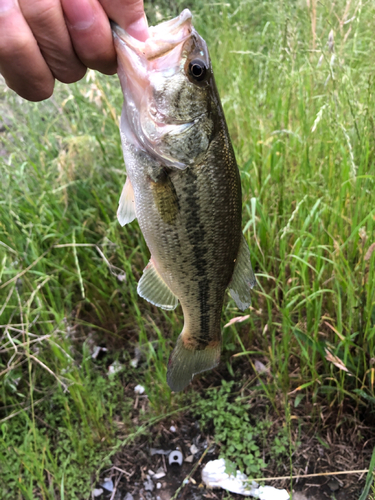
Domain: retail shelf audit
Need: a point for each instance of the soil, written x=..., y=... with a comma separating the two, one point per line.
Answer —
x=339, y=440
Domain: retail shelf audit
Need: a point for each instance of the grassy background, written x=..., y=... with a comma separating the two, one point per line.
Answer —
x=297, y=86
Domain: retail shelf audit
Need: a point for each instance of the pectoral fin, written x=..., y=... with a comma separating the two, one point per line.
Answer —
x=153, y=288
x=243, y=278
x=126, y=206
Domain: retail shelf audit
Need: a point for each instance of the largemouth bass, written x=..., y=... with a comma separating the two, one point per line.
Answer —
x=183, y=186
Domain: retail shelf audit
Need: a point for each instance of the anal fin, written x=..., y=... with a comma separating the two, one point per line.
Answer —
x=153, y=288
x=243, y=279
x=126, y=206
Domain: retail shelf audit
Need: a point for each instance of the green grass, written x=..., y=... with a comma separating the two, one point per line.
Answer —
x=303, y=133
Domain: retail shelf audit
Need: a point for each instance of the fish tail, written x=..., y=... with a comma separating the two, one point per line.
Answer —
x=186, y=361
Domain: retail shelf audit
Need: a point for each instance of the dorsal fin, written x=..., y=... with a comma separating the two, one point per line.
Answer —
x=126, y=206
x=243, y=278
x=153, y=288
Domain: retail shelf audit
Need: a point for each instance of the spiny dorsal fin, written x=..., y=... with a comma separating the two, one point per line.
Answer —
x=243, y=278
x=152, y=287
x=126, y=206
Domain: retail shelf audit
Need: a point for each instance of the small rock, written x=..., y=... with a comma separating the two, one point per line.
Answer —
x=189, y=459
x=172, y=428
x=333, y=485
x=97, y=492
x=107, y=485
x=158, y=486
x=128, y=496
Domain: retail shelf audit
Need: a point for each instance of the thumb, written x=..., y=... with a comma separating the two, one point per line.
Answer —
x=129, y=14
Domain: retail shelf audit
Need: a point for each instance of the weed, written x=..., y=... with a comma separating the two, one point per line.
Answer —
x=241, y=439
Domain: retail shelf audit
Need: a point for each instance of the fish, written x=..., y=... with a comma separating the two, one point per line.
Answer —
x=183, y=186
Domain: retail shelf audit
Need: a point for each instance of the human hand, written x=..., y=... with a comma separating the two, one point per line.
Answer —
x=44, y=40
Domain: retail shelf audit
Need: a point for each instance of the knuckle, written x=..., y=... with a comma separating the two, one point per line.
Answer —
x=12, y=46
x=38, y=11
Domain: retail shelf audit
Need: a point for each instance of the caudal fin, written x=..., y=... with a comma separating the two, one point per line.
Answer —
x=185, y=363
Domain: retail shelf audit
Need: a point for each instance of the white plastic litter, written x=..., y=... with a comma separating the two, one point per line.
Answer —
x=148, y=484
x=175, y=457
x=172, y=428
x=107, y=485
x=155, y=451
x=214, y=476
x=159, y=473
x=139, y=389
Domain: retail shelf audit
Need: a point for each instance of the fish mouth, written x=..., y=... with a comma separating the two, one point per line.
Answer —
x=162, y=38
x=161, y=54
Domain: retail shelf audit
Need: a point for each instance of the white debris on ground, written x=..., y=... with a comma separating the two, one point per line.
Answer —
x=193, y=449
x=108, y=484
x=139, y=389
x=115, y=367
x=214, y=476
x=96, y=349
x=148, y=484
x=97, y=492
x=175, y=457
x=156, y=451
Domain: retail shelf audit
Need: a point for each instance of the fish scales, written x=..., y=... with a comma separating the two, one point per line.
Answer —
x=184, y=187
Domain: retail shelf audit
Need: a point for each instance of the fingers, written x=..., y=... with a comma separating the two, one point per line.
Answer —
x=41, y=40
x=129, y=14
x=91, y=34
x=46, y=20
x=21, y=62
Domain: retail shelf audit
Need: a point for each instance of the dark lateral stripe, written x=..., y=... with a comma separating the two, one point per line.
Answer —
x=197, y=234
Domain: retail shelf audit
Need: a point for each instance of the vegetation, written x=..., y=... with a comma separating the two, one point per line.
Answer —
x=297, y=87
x=239, y=437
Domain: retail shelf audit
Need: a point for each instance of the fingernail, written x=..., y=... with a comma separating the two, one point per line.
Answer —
x=139, y=29
x=6, y=5
x=80, y=15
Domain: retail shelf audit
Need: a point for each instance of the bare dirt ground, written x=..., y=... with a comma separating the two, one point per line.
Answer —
x=338, y=440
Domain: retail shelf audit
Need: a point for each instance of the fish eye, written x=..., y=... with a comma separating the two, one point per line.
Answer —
x=197, y=69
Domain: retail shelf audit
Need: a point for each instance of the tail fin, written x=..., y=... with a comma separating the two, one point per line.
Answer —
x=185, y=363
